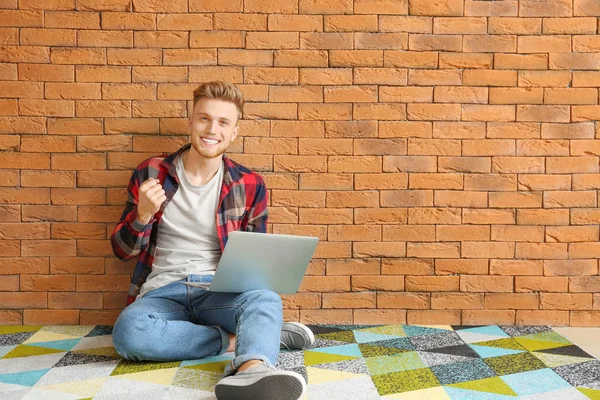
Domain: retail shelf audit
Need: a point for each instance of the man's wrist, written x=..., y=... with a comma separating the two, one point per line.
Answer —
x=143, y=219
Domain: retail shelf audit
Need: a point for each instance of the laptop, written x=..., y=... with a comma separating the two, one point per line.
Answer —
x=264, y=261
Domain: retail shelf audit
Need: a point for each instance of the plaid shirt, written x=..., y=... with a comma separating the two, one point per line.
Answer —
x=242, y=206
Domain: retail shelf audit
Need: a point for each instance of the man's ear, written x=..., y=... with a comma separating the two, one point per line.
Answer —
x=236, y=132
x=190, y=122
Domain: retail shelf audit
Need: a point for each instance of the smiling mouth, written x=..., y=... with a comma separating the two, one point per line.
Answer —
x=210, y=141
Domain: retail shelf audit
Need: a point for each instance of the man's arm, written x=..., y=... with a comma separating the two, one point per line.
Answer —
x=130, y=236
x=259, y=213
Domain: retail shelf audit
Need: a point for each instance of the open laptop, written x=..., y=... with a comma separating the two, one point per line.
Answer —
x=265, y=261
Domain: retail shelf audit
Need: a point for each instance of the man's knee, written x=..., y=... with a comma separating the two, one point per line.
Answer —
x=127, y=335
x=267, y=297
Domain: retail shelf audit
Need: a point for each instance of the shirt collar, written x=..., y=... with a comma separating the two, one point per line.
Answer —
x=231, y=174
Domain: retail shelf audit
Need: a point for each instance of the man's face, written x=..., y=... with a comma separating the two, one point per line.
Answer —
x=213, y=126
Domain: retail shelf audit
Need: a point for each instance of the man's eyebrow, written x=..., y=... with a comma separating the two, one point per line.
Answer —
x=203, y=113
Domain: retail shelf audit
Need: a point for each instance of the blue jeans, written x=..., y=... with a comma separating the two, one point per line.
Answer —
x=179, y=322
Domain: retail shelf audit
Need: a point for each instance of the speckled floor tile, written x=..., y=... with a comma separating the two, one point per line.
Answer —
x=347, y=362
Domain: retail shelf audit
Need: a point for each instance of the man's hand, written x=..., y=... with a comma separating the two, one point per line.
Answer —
x=151, y=196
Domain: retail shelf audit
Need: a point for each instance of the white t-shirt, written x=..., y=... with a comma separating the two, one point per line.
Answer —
x=187, y=240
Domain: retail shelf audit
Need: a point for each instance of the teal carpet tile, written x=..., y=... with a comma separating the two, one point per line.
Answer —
x=347, y=362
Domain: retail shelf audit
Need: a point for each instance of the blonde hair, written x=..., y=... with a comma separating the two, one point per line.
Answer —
x=221, y=90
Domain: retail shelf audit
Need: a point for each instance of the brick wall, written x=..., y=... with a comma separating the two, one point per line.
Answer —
x=443, y=151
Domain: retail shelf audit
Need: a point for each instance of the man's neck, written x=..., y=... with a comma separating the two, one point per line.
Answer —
x=200, y=170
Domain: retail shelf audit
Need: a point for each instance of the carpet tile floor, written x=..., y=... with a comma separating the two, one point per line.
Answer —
x=347, y=362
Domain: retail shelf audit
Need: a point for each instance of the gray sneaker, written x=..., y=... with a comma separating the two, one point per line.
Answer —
x=261, y=382
x=295, y=335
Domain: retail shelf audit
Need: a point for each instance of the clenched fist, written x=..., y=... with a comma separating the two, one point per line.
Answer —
x=151, y=196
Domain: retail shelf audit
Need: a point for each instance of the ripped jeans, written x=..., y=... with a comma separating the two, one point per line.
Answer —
x=178, y=322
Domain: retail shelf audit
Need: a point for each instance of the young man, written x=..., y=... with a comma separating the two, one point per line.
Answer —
x=180, y=209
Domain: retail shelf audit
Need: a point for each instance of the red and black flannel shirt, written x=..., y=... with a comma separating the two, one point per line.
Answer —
x=242, y=206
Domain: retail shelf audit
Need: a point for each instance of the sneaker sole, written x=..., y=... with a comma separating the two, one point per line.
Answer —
x=275, y=387
x=302, y=331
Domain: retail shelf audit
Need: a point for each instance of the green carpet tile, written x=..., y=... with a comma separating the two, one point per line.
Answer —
x=346, y=362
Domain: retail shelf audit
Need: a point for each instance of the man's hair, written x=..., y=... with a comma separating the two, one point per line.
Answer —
x=221, y=90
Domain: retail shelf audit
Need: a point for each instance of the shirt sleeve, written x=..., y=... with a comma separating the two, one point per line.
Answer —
x=259, y=213
x=130, y=237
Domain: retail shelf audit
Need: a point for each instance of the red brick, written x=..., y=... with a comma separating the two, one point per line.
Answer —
x=128, y=20
x=488, y=317
x=104, y=5
x=585, y=318
x=326, y=316
x=52, y=108
x=487, y=44
x=72, y=91
x=410, y=24
x=434, y=78
x=542, y=217
x=325, y=284
x=584, y=284
x=349, y=300
x=433, y=317
x=69, y=300
x=453, y=301
x=351, y=94
x=25, y=54
x=21, y=18
x=544, y=44
x=466, y=60
x=478, y=283
x=528, y=95
x=437, y=112
x=47, y=283
x=333, y=7
x=403, y=300
x=356, y=58
x=466, y=25
x=566, y=301
x=72, y=19
x=48, y=5
x=21, y=300
x=461, y=266
x=439, y=8
x=425, y=250
x=10, y=213
x=511, y=301
x=216, y=6
x=411, y=59
x=43, y=72
x=237, y=22
x=543, y=113
x=486, y=8
x=379, y=317
x=540, y=284
x=570, y=25
x=353, y=267
x=406, y=198
x=542, y=317
x=570, y=267
x=391, y=41
x=535, y=8
x=322, y=181
x=376, y=282
x=489, y=78
x=423, y=42
x=51, y=317
x=380, y=7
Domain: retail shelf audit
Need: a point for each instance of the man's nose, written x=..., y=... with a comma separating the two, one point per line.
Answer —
x=212, y=128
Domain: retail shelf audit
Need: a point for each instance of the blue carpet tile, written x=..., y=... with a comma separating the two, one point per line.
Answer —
x=346, y=362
